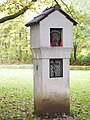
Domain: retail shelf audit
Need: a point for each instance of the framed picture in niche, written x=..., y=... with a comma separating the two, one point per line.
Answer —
x=56, y=37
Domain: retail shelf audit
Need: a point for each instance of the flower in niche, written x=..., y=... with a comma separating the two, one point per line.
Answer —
x=50, y=44
x=61, y=44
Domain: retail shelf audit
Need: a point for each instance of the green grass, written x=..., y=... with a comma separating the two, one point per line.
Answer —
x=30, y=66
x=16, y=94
x=80, y=94
x=79, y=67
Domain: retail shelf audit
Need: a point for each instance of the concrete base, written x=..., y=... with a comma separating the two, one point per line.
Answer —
x=52, y=107
x=51, y=95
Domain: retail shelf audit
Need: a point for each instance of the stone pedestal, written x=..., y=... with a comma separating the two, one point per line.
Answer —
x=51, y=94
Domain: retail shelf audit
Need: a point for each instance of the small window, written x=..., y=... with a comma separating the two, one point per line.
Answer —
x=55, y=68
x=56, y=37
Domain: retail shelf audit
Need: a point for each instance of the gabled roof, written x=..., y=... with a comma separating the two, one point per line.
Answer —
x=48, y=11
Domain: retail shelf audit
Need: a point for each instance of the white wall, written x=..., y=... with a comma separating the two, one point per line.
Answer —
x=56, y=20
x=35, y=36
x=51, y=92
x=55, y=86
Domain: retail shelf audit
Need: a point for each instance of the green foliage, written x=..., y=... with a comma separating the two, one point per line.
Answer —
x=13, y=6
x=15, y=42
x=83, y=55
x=81, y=37
x=79, y=67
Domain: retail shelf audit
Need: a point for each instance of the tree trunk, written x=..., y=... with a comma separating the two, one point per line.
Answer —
x=75, y=52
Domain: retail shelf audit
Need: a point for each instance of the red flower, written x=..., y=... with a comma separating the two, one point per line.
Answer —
x=61, y=44
x=50, y=44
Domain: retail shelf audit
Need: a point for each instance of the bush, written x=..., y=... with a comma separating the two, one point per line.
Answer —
x=81, y=60
x=79, y=67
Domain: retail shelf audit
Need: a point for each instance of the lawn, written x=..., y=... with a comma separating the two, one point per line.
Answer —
x=80, y=94
x=16, y=94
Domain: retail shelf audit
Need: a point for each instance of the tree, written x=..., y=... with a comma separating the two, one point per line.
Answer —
x=79, y=33
x=12, y=6
x=16, y=8
x=14, y=15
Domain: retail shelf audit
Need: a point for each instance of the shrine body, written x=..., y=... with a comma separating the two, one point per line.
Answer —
x=51, y=39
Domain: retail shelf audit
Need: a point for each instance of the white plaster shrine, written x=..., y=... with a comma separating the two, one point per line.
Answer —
x=51, y=39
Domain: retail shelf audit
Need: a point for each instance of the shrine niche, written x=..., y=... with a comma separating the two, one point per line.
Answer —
x=56, y=68
x=56, y=37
